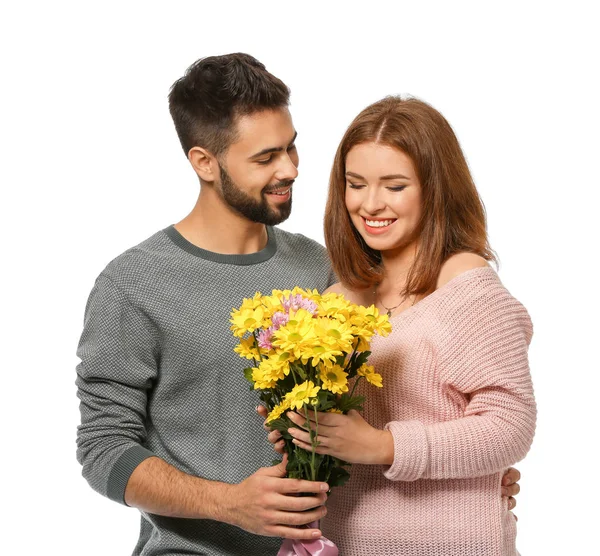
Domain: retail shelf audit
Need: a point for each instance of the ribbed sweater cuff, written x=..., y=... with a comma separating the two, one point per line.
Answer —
x=411, y=450
x=122, y=470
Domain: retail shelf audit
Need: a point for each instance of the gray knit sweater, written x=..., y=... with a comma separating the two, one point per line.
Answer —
x=158, y=375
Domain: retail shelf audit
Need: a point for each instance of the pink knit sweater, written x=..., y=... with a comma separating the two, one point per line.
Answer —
x=458, y=400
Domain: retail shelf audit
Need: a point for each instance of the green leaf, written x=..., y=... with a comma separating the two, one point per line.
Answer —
x=341, y=360
x=302, y=455
x=338, y=477
x=282, y=425
x=326, y=400
x=248, y=374
x=346, y=403
x=299, y=370
x=266, y=396
x=358, y=361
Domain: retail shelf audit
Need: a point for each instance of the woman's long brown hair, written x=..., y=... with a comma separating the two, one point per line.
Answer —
x=453, y=216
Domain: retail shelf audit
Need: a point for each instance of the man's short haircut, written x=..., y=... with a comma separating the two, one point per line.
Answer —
x=214, y=91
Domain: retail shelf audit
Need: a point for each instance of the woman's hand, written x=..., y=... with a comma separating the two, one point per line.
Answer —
x=346, y=437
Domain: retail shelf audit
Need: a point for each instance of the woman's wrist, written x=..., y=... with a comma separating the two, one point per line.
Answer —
x=385, y=452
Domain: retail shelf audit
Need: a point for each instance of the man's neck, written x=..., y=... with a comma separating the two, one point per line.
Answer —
x=214, y=226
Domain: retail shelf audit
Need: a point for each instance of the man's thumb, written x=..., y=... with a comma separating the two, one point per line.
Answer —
x=278, y=470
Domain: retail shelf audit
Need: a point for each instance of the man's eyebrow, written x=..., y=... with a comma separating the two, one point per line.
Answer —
x=388, y=177
x=274, y=149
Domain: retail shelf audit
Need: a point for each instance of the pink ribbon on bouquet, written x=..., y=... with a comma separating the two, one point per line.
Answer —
x=299, y=547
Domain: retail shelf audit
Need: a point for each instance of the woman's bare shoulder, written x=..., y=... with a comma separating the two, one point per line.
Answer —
x=355, y=296
x=456, y=264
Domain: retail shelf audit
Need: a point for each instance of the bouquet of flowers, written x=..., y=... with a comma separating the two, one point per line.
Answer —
x=305, y=348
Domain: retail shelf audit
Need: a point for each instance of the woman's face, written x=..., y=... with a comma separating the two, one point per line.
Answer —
x=383, y=195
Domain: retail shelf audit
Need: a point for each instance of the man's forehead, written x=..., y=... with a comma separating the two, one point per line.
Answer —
x=265, y=129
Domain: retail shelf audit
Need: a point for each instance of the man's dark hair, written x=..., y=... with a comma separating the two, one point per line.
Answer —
x=214, y=91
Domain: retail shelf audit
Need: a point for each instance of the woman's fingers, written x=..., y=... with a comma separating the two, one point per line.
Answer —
x=301, y=435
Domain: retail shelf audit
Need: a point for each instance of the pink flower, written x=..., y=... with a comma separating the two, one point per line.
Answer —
x=279, y=319
x=295, y=302
x=264, y=338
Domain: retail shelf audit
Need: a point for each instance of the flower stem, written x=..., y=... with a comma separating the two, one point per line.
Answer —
x=313, y=474
x=355, y=384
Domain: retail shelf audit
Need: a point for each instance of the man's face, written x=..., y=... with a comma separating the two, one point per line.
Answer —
x=259, y=168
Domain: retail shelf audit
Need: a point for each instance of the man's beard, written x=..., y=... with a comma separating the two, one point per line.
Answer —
x=257, y=211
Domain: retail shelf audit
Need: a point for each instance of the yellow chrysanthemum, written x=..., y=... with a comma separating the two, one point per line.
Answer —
x=334, y=379
x=334, y=305
x=272, y=304
x=319, y=354
x=297, y=335
x=277, y=411
x=372, y=377
x=247, y=320
x=301, y=394
x=335, y=333
x=247, y=348
x=274, y=369
x=251, y=302
x=312, y=295
x=262, y=380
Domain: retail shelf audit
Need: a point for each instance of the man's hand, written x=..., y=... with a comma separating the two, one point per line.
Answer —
x=510, y=486
x=266, y=504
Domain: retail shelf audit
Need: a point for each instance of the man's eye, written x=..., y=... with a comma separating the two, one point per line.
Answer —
x=265, y=160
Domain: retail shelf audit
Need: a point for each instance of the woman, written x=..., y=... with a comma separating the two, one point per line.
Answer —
x=405, y=229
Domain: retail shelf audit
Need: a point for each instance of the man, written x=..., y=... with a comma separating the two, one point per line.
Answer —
x=167, y=421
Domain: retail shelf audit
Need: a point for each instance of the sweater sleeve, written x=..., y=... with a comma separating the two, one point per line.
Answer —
x=483, y=339
x=118, y=352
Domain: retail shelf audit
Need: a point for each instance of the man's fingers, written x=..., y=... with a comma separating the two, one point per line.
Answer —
x=294, y=533
x=295, y=486
x=274, y=436
x=300, y=503
x=511, y=490
x=262, y=411
x=280, y=447
x=511, y=476
x=278, y=470
x=300, y=518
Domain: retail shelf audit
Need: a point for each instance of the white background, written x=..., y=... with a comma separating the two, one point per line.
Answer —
x=91, y=166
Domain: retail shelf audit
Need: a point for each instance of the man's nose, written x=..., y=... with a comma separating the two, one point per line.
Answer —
x=287, y=170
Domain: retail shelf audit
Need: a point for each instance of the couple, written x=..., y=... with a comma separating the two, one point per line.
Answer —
x=167, y=421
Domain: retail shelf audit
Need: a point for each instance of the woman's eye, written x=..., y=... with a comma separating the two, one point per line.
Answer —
x=397, y=187
x=355, y=186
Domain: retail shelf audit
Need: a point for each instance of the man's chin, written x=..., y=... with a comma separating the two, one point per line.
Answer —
x=281, y=213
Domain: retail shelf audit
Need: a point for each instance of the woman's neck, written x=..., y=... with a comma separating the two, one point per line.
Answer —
x=396, y=266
